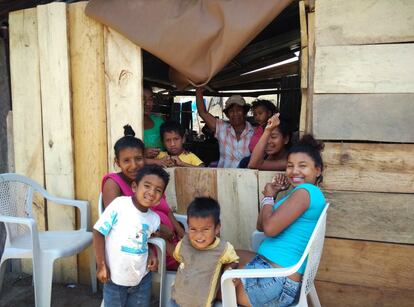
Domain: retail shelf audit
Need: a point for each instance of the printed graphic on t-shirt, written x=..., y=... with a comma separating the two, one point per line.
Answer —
x=137, y=243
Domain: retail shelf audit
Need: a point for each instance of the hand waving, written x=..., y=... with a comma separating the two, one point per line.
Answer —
x=273, y=122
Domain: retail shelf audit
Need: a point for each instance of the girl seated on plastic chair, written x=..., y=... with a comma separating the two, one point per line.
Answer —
x=287, y=224
x=129, y=157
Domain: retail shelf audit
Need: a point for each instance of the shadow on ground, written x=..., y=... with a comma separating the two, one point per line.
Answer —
x=18, y=292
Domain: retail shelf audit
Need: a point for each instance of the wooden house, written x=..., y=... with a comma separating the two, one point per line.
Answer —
x=74, y=84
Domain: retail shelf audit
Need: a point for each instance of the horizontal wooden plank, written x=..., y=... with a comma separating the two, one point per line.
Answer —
x=343, y=295
x=369, y=167
x=369, y=264
x=367, y=117
x=365, y=69
x=352, y=22
x=384, y=217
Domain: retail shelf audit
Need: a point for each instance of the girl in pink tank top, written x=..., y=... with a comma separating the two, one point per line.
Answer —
x=129, y=157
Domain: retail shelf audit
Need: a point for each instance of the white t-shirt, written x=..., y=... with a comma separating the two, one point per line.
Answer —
x=126, y=231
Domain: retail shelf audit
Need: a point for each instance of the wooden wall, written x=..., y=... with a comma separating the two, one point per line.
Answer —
x=71, y=100
x=361, y=93
x=74, y=83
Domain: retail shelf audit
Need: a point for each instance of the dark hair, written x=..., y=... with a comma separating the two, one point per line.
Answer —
x=204, y=207
x=171, y=126
x=308, y=145
x=128, y=141
x=153, y=169
x=266, y=104
x=146, y=86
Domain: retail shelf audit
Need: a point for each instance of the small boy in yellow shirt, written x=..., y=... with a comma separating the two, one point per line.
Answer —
x=202, y=256
x=172, y=136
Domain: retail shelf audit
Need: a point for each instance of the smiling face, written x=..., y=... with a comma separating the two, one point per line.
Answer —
x=148, y=191
x=236, y=115
x=261, y=114
x=202, y=231
x=276, y=143
x=173, y=142
x=301, y=168
x=130, y=160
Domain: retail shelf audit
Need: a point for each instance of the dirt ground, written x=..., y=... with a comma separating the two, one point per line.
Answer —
x=18, y=292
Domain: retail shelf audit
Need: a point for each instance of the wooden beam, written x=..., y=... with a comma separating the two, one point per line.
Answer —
x=364, y=117
x=237, y=192
x=303, y=25
x=271, y=73
x=357, y=22
x=368, y=264
x=365, y=69
x=311, y=73
x=345, y=295
x=89, y=112
x=369, y=167
x=384, y=217
x=57, y=125
x=123, y=71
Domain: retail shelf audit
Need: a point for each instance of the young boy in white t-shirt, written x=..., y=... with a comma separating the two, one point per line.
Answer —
x=121, y=240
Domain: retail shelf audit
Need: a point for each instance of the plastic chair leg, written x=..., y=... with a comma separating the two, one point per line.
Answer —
x=314, y=297
x=42, y=275
x=92, y=265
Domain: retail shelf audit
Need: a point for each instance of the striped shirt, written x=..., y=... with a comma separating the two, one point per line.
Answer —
x=231, y=149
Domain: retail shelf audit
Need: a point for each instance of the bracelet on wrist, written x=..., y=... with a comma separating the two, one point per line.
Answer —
x=267, y=200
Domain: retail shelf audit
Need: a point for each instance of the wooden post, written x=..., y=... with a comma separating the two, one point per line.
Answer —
x=89, y=112
x=57, y=124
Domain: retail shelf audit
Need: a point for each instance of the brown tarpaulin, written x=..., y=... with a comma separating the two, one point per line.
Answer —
x=197, y=38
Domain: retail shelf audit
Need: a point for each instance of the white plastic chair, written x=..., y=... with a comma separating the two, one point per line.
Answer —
x=161, y=249
x=44, y=247
x=313, y=252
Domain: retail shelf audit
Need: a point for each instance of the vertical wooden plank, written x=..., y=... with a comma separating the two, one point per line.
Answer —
x=303, y=25
x=237, y=195
x=89, y=112
x=57, y=125
x=27, y=111
x=193, y=182
x=304, y=67
x=123, y=71
x=311, y=72
x=303, y=111
x=170, y=192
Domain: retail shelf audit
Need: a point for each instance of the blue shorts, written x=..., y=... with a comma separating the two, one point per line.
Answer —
x=277, y=291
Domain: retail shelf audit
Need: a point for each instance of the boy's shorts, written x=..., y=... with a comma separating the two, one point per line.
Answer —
x=277, y=291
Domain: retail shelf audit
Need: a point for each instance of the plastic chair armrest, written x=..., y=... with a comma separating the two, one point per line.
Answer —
x=29, y=222
x=227, y=287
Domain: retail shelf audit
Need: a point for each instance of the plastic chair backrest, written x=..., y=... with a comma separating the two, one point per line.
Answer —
x=16, y=200
x=100, y=204
x=314, y=251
